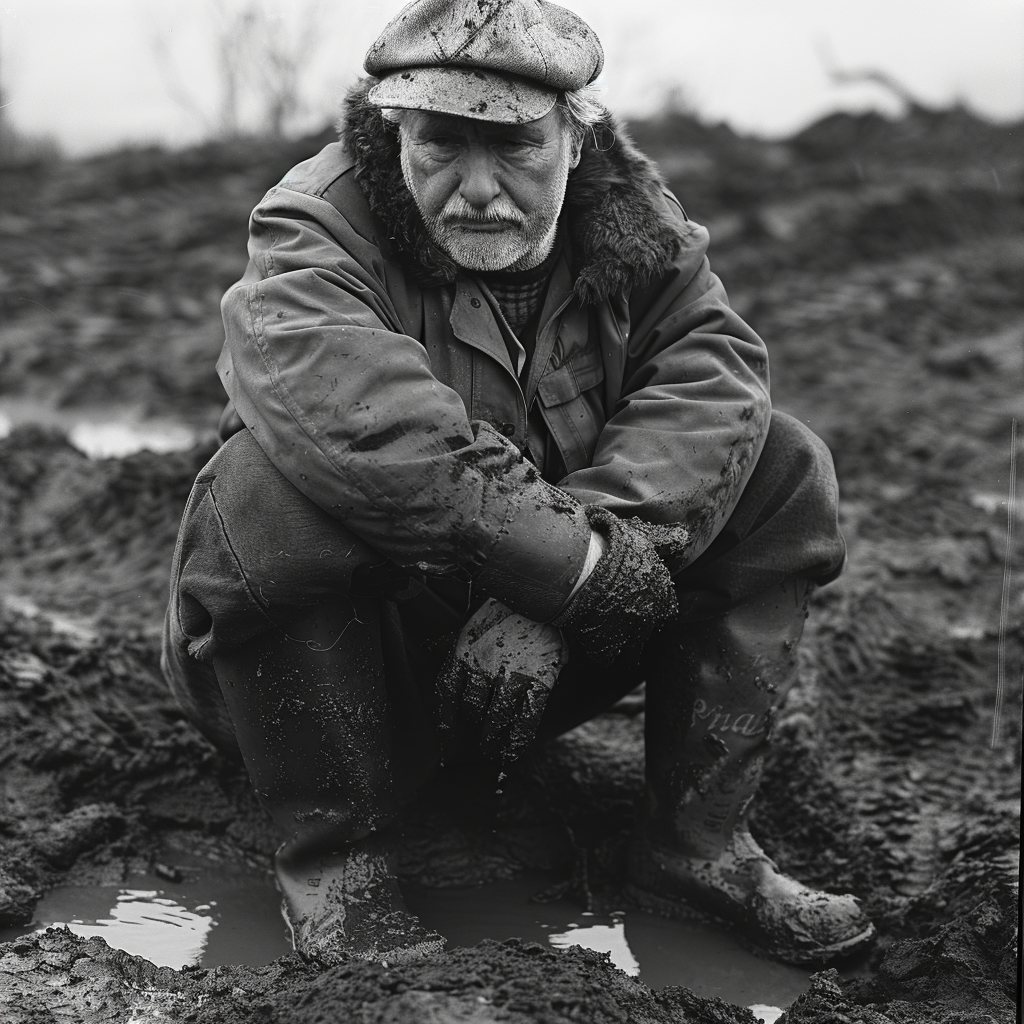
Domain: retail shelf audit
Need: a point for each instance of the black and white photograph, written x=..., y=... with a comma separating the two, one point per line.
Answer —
x=510, y=511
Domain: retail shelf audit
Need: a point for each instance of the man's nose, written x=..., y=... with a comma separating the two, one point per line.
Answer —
x=479, y=183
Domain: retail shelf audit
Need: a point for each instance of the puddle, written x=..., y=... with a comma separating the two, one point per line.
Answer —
x=143, y=921
x=603, y=938
x=215, y=917
x=706, y=959
x=100, y=433
x=77, y=629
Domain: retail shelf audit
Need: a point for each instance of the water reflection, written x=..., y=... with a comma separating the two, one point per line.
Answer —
x=708, y=959
x=100, y=433
x=222, y=916
x=602, y=938
x=116, y=440
x=143, y=922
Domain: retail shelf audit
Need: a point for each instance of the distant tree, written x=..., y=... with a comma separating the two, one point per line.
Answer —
x=676, y=102
x=260, y=59
x=176, y=89
x=15, y=145
x=233, y=46
x=876, y=76
x=6, y=128
x=279, y=59
x=4, y=116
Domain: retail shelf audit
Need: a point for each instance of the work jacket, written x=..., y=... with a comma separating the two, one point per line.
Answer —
x=377, y=375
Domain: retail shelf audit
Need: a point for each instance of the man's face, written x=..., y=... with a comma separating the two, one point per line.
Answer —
x=489, y=193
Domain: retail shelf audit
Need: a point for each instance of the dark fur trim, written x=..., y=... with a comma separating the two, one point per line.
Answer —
x=625, y=244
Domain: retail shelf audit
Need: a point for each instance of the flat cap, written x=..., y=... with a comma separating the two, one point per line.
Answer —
x=495, y=60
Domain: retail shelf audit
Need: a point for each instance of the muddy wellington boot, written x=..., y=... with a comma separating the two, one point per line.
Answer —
x=711, y=700
x=310, y=714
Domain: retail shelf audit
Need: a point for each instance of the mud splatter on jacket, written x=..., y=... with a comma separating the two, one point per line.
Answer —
x=375, y=373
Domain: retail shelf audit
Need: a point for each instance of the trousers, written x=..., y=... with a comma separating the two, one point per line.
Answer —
x=253, y=551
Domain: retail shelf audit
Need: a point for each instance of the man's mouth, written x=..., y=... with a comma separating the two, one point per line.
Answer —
x=483, y=226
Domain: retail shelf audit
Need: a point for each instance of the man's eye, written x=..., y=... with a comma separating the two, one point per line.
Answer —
x=513, y=147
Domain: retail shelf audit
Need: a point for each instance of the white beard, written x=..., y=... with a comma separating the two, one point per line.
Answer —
x=525, y=243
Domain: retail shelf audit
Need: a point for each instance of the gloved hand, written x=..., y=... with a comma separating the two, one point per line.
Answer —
x=670, y=540
x=630, y=590
x=499, y=678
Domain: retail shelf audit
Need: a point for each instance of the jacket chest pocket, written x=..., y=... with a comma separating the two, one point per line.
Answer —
x=571, y=404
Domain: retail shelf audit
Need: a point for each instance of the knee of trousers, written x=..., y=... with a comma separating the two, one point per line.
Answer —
x=805, y=515
x=785, y=526
x=795, y=467
x=251, y=543
x=791, y=500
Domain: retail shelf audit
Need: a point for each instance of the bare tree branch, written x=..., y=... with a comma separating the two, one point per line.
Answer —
x=258, y=55
x=876, y=76
x=173, y=84
x=281, y=58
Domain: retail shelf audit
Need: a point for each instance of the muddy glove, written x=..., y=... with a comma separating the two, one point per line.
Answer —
x=499, y=678
x=671, y=542
x=629, y=592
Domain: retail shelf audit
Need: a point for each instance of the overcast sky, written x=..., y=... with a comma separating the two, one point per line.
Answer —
x=90, y=72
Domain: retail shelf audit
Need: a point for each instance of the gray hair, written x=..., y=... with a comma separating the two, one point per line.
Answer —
x=582, y=112
x=393, y=116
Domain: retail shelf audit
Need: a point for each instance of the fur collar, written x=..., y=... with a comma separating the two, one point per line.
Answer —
x=619, y=231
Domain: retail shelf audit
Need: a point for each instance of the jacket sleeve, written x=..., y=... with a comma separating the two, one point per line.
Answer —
x=346, y=407
x=693, y=409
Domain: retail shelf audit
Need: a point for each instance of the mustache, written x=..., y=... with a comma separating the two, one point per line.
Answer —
x=500, y=210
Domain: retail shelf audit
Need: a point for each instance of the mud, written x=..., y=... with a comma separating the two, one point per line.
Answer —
x=629, y=591
x=884, y=263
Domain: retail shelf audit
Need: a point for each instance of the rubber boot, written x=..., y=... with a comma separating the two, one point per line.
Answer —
x=711, y=700
x=309, y=709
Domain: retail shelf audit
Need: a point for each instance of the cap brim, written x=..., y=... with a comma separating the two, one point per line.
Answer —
x=464, y=92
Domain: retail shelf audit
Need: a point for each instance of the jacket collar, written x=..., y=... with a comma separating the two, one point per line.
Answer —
x=620, y=230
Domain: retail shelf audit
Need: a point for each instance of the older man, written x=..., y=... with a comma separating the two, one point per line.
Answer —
x=499, y=451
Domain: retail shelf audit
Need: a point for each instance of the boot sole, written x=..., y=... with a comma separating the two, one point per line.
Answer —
x=675, y=909
x=407, y=954
x=389, y=958
x=398, y=955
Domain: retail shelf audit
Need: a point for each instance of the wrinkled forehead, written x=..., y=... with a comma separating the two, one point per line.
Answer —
x=423, y=123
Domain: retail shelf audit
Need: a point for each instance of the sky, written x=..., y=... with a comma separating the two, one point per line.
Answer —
x=95, y=74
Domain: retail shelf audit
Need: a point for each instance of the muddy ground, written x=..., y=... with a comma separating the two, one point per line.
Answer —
x=883, y=261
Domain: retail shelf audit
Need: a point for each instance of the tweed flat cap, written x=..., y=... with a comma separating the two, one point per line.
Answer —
x=494, y=60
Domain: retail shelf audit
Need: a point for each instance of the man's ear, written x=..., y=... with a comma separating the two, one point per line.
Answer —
x=577, y=152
